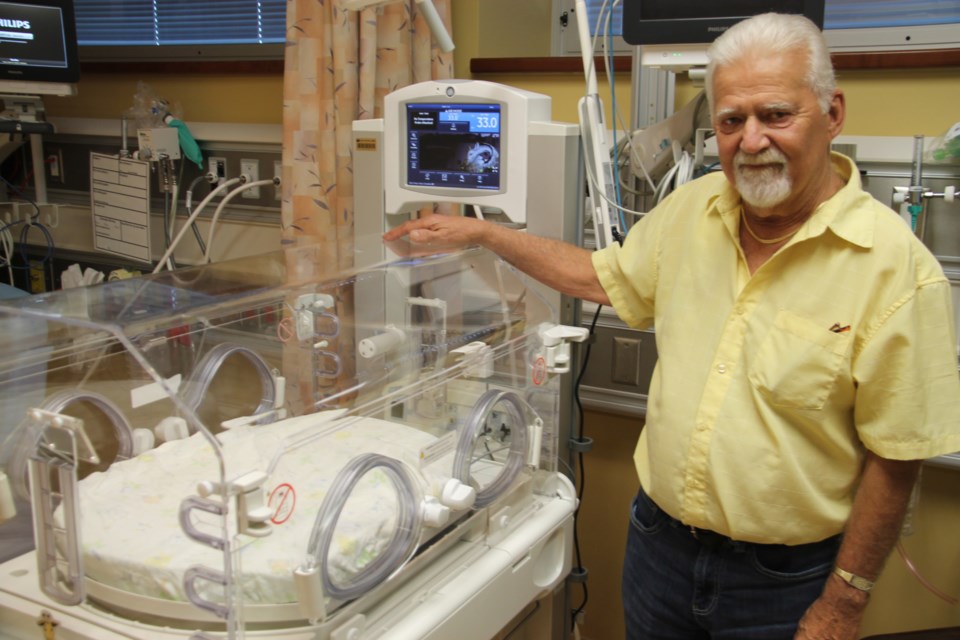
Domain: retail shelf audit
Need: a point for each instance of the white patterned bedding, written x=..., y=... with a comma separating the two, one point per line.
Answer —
x=132, y=540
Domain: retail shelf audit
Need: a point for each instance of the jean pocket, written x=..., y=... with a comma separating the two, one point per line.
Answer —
x=646, y=516
x=790, y=563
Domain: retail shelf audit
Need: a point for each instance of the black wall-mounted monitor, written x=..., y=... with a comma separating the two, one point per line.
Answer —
x=38, y=47
x=649, y=22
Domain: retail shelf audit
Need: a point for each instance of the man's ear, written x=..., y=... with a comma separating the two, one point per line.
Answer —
x=836, y=113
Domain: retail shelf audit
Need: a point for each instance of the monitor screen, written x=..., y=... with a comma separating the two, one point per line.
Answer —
x=700, y=21
x=38, y=45
x=454, y=145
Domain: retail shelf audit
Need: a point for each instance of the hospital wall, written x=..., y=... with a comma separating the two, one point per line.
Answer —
x=880, y=103
x=202, y=95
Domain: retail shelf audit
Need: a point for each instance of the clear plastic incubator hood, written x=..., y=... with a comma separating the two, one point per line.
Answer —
x=249, y=449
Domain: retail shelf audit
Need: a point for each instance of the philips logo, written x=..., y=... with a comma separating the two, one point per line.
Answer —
x=716, y=29
x=14, y=24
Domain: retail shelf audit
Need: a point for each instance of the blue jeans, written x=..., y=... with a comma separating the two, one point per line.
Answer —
x=678, y=586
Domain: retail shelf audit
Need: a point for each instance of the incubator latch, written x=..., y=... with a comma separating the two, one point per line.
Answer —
x=307, y=307
x=556, y=344
x=458, y=495
x=253, y=514
x=171, y=428
x=310, y=598
x=434, y=513
x=252, y=509
x=536, y=442
x=479, y=355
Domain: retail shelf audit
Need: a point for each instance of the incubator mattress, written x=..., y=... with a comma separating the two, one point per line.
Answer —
x=132, y=540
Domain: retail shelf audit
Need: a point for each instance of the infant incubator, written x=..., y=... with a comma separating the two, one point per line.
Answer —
x=250, y=449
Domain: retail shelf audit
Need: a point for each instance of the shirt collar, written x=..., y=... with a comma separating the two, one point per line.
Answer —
x=842, y=213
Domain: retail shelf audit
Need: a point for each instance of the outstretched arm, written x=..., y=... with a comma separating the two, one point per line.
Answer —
x=559, y=265
x=871, y=533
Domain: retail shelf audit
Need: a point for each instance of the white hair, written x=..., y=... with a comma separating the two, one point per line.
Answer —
x=773, y=33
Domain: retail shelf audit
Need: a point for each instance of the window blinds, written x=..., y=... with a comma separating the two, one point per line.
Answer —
x=179, y=22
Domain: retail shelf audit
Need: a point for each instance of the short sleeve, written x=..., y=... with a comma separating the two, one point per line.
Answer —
x=628, y=274
x=908, y=388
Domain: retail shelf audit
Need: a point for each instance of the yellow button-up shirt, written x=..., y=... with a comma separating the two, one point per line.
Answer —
x=769, y=387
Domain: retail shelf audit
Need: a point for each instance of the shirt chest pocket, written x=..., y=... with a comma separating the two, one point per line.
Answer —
x=798, y=363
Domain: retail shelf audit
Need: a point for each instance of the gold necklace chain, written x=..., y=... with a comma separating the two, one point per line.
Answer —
x=743, y=217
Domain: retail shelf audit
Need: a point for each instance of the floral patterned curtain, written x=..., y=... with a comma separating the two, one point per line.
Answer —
x=339, y=65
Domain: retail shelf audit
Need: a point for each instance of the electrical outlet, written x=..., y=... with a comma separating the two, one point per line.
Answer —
x=55, y=165
x=278, y=173
x=251, y=169
x=218, y=167
x=625, y=368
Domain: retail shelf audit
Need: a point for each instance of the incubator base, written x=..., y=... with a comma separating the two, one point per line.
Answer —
x=470, y=591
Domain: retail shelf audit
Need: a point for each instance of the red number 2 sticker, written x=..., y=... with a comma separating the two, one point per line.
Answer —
x=539, y=371
x=282, y=501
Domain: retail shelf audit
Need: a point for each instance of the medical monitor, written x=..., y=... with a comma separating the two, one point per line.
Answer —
x=676, y=33
x=459, y=141
x=38, y=47
x=454, y=145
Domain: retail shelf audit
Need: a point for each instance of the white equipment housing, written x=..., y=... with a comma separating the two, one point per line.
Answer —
x=464, y=142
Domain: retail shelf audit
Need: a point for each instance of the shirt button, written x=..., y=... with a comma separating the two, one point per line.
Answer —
x=721, y=368
x=739, y=310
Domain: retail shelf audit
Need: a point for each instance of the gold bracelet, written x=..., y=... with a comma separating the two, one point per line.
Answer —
x=853, y=580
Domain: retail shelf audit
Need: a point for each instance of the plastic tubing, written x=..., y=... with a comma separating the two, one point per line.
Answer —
x=209, y=365
x=399, y=550
x=216, y=214
x=919, y=576
x=173, y=218
x=468, y=435
x=6, y=260
x=188, y=201
x=193, y=217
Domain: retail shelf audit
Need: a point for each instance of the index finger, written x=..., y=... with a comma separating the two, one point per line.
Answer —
x=404, y=229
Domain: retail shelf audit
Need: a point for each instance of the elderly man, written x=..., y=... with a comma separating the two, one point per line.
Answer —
x=807, y=359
